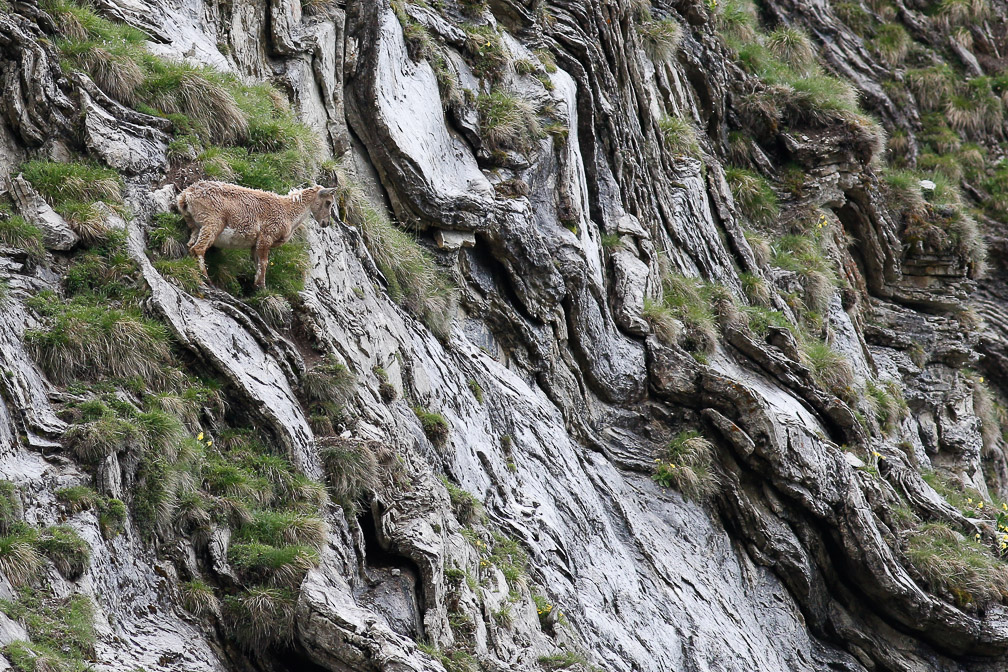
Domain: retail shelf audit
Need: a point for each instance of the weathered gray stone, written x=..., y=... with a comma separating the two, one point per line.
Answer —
x=56, y=233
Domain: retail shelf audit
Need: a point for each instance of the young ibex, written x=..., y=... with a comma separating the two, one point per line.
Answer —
x=226, y=215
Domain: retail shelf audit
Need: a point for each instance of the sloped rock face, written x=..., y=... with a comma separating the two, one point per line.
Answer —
x=558, y=387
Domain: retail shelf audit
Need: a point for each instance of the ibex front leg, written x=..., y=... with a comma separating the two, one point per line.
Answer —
x=262, y=251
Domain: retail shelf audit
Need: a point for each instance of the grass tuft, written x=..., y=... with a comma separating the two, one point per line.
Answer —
x=679, y=136
x=687, y=465
x=952, y=566
x=753, y=195
x=261, y=616
x=434, y=426
x=90, y=342
x=661, y=37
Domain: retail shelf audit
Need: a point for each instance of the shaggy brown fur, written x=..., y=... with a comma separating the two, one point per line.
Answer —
x=226, y=215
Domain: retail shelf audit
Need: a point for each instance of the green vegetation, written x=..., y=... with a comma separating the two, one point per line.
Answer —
x=661, y=37
x=935, y=220
x=563, y=661
x=20, y=560
x=199, y=599
x=434, y=426
x=82, y=341
x=806, y=256
x=793, y=47
x=64, y=547
x=687, y=465
x=958, y=568
x=17, y=233
x=168, y=235
x=887, y=402
x=829, y=368
x=102, y=427
x=891, y=43
x=679, y=136
x=111, y=512
x=231, y=130
x=508, y=122
x=352, y=469
x=261, y=616
x=10, y=506
x=795, y=90
x=467, y=508
x=61, y=631
x=486, y=51
x=691, y=313
x=476, y=389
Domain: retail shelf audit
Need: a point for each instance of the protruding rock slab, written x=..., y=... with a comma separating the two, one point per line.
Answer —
x=56, y=233
x=238, y=356
x=122, y=144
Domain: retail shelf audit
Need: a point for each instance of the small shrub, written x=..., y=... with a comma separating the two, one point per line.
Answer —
x=961, y=12
x=508, y=121
x=434, y=426
x=10, y=507
x=168, y=235
x=486, y=49
x=689, y=301
x=90, y=342
x=78, y=498
x=184, y=273
x=328, y=381
x=73, y=188
x=278, y=565
x=887, y=402
x=793, y=47
x=931, y=86
x=755, y=289
x=760, y=320
x=563, y=661
x=413, y=278
x=829, y=368
x=737, y=20
x=892, y=43
x=688, y=466
x=279, y=528
x=17, y=233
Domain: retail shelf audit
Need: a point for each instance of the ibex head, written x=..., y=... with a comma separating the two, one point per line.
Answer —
x=321, y=207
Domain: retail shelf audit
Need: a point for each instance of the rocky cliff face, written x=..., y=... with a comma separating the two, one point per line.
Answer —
x=651, y=337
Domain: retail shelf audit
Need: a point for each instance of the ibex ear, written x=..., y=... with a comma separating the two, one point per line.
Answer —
x=325, y=191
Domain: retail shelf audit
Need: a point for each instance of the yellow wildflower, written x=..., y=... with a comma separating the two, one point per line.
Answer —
x=200, y=437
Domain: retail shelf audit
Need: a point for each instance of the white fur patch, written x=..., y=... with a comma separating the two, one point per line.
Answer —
x=229, y=239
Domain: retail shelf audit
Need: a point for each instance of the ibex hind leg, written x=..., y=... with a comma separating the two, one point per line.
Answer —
x=204, y=239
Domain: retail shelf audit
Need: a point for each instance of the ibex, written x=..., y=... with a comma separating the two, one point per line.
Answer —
x=226, y=215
